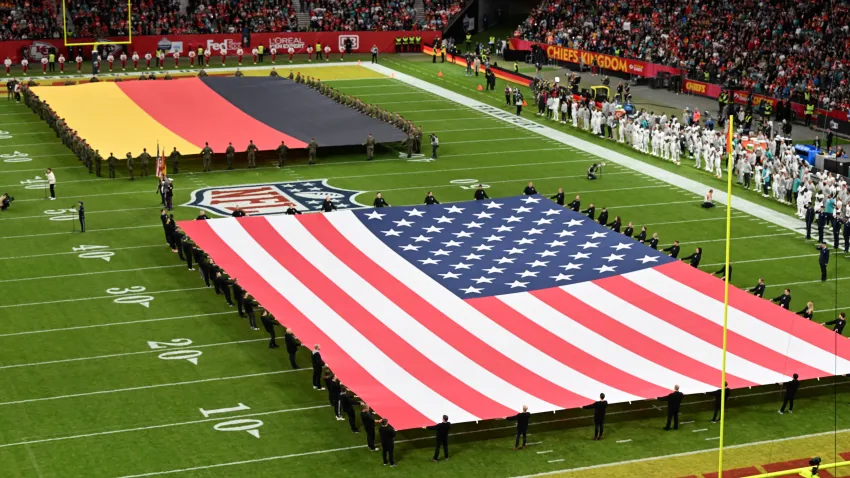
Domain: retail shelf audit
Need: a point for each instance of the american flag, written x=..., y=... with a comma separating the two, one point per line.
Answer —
x=161, y=167
x=474, y=309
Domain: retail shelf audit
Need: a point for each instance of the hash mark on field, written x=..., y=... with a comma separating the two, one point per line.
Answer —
x=712, y=438
x=536, y=443
x=556, y=461
x=544, y=452
x=700, y=430
x=624, y=441
x=685, y=423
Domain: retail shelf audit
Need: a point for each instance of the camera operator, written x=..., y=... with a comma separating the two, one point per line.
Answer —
x=5, y=201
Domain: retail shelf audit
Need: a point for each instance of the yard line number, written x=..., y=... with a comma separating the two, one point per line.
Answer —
x=16, y=157
x=94, y=253
x=175, y=352
x=250, y=426
x=468, y=183
x=128, y=295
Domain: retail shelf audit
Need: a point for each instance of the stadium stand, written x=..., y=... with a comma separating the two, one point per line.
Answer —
x=780, y=48
x=26, y=20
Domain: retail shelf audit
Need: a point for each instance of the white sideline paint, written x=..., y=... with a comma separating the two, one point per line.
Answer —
x=80, y=274
x=111, y=324
x=602, y=152
x=83, y=299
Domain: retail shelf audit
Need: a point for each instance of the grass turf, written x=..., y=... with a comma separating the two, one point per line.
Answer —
x=85, y=395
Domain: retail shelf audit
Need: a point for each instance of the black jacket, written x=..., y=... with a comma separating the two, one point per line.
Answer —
x=783, y=300
x=387, y=433
x=291, y=343
x=653, y=243
x=694, y=258
x=529, y=190
x=673, y=400
x=431, y=200
x=603, y=218
x=481, y=195
x=791, y=388
x=758, y=290
x=673, y=250
x=823, y=258
x=598, y=408
x=591, y=212
x=368, y=422
x=629, y=231
x=317, y=360
x=442, y=430
x=716, y=395
x=380, y=202
x=575, y=205
x=328, y=205
x=559, y=198
x=521, y=420
x=837, y=325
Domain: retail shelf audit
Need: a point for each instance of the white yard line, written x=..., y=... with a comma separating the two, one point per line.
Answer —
x=738, y=238
x=46, y=216
x=624, y=441
x=88, y=231
x=52, y=254
x=149, y=387
x=828, y=280
x=124, y=354
x=766, y=259
x=556, y=461
x=83, y=299
x=111, y=324
x=81, y=274
x=544, y=452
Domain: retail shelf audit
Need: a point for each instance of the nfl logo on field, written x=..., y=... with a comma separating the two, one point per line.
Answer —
x=272, y=198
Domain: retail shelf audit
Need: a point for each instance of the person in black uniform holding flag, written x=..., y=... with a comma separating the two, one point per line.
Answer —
x=590, y=211
x=328, y=205
x=291, y=211
x=387, y=433
x=653, y=241
x=716, y=394
x=641, y=237
x=442, y=430
x=318, y=363
x=222, y=284
x=292, y=345
x=430, y=199
x=674, y=401
x=695, y=257
x=346, y=404
x=783, y=300
x=268, y=323
x=368, y=420
x=615, y=226
x=575, y=205
x=791, y=388
x=529, y=190
x=521, y=420
x=673, y=250
x=380, y=201
x=758, y=290
x=722, y=273
x=599, y=407
x=559, y=198
x=480, y=193
x=248, y=305
x=333, y=386
x=603, y=217
x=630, y=230
x=838, y=324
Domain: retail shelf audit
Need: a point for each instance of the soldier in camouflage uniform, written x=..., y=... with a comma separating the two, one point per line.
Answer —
x=98, y=159
x=370, y=147
x=229, y=153
x=110, y=161
x=252, y=154
x=311, y=149
x=130, y=164
x=144, y=158
x=281, y=154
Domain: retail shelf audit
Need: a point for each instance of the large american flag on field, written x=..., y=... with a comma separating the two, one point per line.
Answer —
x=475, y=309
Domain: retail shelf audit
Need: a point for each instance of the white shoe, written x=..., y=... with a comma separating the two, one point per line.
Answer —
x=52, y=199
x=780, y=412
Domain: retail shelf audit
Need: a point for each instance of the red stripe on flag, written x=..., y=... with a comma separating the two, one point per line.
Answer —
x=705, y=329
x=763, y=310
x=633, y=340
x=437, y=322
x=396, y=348
x=563, y=351
x=385, y=402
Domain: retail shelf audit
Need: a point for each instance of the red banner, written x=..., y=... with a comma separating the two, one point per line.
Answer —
x=361, y=42
x=701, y=88
x=606, y=62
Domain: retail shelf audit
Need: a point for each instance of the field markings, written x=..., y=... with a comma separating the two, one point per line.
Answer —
x=52, y=254
x=556, y=461
x=88, y=231
x=111, y=324
x=81, y=274
x=74, y=214
x=766, y=259
x=624, y=441
x=700, y=430
x=828, y=280
x=737, y=238
x=543, y=452
x=83, y=299
x=166, y=425
x=124, y=354
x=149, y=387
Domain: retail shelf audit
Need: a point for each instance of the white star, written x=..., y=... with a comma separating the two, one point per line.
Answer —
x=524, y=240
x=494, y=270
x=516, y=284
x=410, y=247
x=451, y=243
x=645, y=259
x=342, y=206
x=565, y=233
x=556, y=243
x=391, y=232
x=512, y=219
x=580, y=255
x=487, y=280
x=552, y=211
x=315, y=189
x=440, y=252
x=483, y=247
x=503, y=228
x=429, y=261
x=421, y=238
x=493, y=204
x=403, y=223
x=431, y=229
x=538, y=263
x=415, y=212
x=522, y=209
x=547, y=253
x=307, y=184
x=505, y=260
x=588, y=245
x=472, y=290
x=574, y=222
x=483, y=215
x=472, y=256
x=614, y=257
x=542, y=221
x=561, y=277
x=462, y=234
x=597, y=235
x=622, y=246
x=524, y=274
x=530, y=200
x=455, y=209
x=314, y=202
x=472, y=224
x=461, y=265
x=443, y=219
x=605, y=269
x=375, y=215
x=571, y=265
x=296, y=190
x=515, y=250
x=449, y=275
x=493, y=238
x=533, y=231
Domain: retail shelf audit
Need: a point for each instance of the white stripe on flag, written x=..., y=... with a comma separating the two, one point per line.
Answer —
x=400, y=322
x=464, y=314
x=668, y=334
x=570, y=331
x=740, y=322
x=365, y=353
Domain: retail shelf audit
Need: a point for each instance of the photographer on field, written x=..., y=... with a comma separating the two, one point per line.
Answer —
x=5, y=201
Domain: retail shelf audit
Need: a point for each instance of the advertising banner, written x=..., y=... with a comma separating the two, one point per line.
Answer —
x=701, y=88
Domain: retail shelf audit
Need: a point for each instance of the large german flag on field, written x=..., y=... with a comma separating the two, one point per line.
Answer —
x=185, y=114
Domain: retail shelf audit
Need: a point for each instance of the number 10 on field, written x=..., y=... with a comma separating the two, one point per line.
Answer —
x=250, y=426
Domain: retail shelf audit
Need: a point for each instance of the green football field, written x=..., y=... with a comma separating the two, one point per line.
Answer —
x=115, y=360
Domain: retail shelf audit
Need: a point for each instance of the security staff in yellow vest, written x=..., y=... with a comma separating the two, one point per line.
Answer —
x=516, y=68
x=468, y=42
x=768, y=110
x=721, y=102
x=397, y=44
x=403, y=44
x=418, y=43
x=260, y=50
x=52, y=59
x=810, y=110
x=492, y=43
x=318, y=50
x=410, y=44
x=200, y=54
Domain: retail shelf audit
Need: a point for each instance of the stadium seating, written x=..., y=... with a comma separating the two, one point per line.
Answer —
x=27, y=20
x=779, y=48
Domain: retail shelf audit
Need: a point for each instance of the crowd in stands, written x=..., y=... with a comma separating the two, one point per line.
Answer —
x=780, y=48
x=27, y=19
